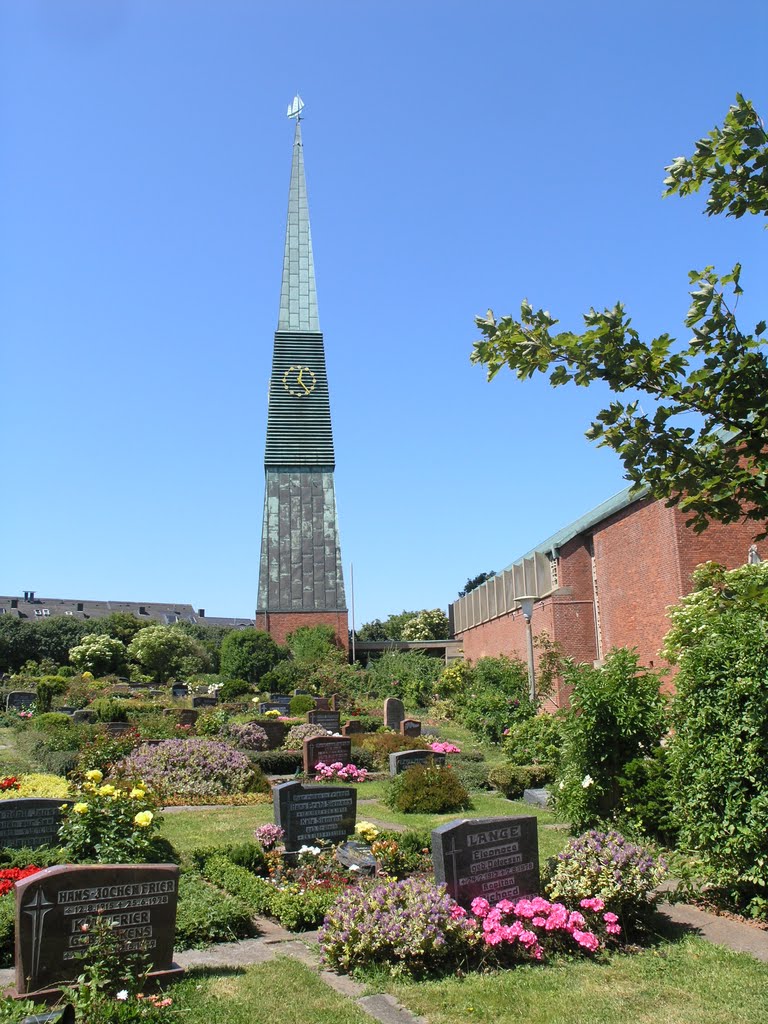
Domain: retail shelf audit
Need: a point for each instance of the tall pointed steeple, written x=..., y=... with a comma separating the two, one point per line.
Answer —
x=300, y=575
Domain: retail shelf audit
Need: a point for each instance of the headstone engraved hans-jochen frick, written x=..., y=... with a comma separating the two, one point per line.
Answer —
x=56, y=908
x=496, y=858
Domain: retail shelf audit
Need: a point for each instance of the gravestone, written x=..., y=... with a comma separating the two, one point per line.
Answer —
x=65, y=710
x=84, y=715
x=352, y=727
x=187, y=716
x=120, y=689
x=282, y=701
x=155, y=693
x=326, y=748
x=537, y=797
x=30, y=821
x=276, y=732
x=19, y=700
x=410, y=727
x=322, y=704
x=179, y=690
x=330, y=720
x=309, y=813
x=496, y=858
x=394, y=713
x=403, y=759
x=53, y=905
x=117, y=728
x=270, y=705
x=356, y=855
x=298, y=693
x=334, y=702
x=204, y=702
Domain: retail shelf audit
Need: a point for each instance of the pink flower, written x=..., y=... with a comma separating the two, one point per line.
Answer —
x=528, y=938
x=613, y=929
x=586, y=940
x=505, y=906
x=594, y=903
x=539, y=922
x=609, y=917
x=480, y=906
x=575, y=920
x=458, y=912
x=524, y=908
x=540, y=905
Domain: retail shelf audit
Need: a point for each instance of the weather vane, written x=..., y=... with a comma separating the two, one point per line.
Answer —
x=295, y=108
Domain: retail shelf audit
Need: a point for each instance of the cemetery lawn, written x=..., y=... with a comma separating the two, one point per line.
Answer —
x=282, y=991
x=189, y=830
x=12, y=761
x=689, y=982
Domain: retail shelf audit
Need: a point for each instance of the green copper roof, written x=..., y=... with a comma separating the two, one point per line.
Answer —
x=298, y=297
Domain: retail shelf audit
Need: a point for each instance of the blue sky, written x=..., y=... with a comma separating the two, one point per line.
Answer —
x=459, y=156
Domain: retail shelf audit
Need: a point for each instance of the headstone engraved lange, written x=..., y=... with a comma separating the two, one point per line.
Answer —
x=496, y=858
x=309, y=813
x=410, y=727
x=394, y=713
x=30, y=821
x=330, y=720
x=53, y=905
x=326, y=748
x=403, y=759
x=19, y=700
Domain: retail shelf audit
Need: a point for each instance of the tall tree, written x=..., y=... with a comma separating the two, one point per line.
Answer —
x=716, y=469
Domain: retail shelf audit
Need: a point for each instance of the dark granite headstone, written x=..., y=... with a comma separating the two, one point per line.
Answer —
x=53, y=905
x=270, y=705
x=410, y=727
x=297, y=693
x=496, y=858
x=19, y=700
x=84, y=715
x=352, y=727
x=326, y=748
x=334, y=702
x=282, y=701
x=322, y=704
x=330, y=720
x=179, y=690
x=30, y=821
x=204, y=702
x=402, y=759
x=309, y=813
x=394, y=713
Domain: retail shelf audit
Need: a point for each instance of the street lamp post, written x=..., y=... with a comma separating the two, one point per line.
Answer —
x=526, y=607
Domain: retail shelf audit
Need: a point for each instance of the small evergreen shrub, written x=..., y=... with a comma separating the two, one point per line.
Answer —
x=380, y=745
x=7, y=929
x=298, y=733
x=206, y=914
x=248, y=736
x=301, y=704
x=109, y=709
x=47, y=688
x=471, y=773
x=535, y=741
x=278, y=762
x=248, y=855
x=234, y=688
x=647, y=802
x=427, y=789
x=254, y=892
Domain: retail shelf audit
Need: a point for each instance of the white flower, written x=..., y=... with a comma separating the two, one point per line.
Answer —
x=122, y=995
x=587, y=781
x=314, y=850
x=355, y=867
x=561, y=786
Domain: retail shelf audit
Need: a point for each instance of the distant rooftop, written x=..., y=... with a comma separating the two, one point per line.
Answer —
x=31, y=607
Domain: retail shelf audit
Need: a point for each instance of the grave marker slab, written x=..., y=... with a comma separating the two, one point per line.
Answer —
x=394, y=713
x=84, y=715
x=276, y=732
x=30, y=821
x=403, y=759
x=282, y=701
x=322, y=704
x=496, y=858
x=410, y=727
x=19, y=700
x=117, y=728
x=204, y=702
x=53, y=905
x=270, y=705
x=330, y=720
x=179, y=690
x=352, y=727
x=309, y=813
x=325, y=748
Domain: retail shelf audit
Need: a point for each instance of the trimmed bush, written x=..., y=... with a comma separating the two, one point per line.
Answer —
x=37, y=784
x=254, y=892
x=298, y=733
x=471, y=773
x=234, y=688
x=7, y=928
x=647, y=797
x=108, y=709
x=380, y=745
x=278, y=762
x=301, y=704
x=249, y=736
x=427, y=789
x=512, y=780
x=247, y=855
x=206, y=914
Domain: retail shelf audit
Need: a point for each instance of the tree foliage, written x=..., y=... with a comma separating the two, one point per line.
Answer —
x=714, y=468
x=249, y=654
x=100, y=654
x=476, y=581
x=165, y=652
x=427, y=625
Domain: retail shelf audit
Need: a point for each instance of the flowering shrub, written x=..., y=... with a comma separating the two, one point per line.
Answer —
x=9, y=782
x=298, y=733
x=445, y=748
x=110, y=823
x=104, y=751
x=531, y=928
x=408, y=927
x=268, y=836
x=198, y=767
x=36, y=784
x=367, y=831
x=605, y=864
x=9, y=876
x=250, y=736
x=427, y=789
x=337, y=770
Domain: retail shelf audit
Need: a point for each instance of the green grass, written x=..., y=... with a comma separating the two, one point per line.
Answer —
x=190, y=829
x=12, y=761
x=282, y=991
x=690, y=982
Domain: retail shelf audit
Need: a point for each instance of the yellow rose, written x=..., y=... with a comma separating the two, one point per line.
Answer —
x=94, y=775
x=107, y=791
x=143, y=819
x=137, y=794
x=80, y=808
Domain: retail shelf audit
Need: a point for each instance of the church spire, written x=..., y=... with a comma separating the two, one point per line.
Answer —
x=298, y=295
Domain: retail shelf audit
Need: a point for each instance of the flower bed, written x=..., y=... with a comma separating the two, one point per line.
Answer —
x=193, y=768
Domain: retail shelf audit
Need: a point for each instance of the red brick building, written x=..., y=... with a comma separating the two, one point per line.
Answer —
x=604, y=581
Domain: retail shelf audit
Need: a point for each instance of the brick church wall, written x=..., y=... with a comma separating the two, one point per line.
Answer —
x=280, y=624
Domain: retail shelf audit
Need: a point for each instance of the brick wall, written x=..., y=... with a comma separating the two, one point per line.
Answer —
x=280, y=624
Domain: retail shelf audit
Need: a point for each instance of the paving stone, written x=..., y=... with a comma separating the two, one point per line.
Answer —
x=721, y=931
x=386, y=1009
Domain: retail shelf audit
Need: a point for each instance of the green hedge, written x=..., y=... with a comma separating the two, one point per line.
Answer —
x=206, y=914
